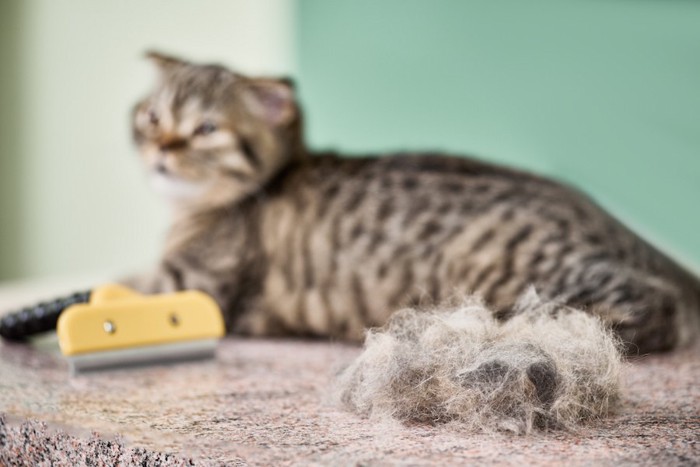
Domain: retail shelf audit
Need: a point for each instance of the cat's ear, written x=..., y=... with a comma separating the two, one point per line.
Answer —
x=165, y=63
x=289, y=81
x=272, y=100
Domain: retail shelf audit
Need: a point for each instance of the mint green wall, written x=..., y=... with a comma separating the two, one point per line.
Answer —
x=604, y=94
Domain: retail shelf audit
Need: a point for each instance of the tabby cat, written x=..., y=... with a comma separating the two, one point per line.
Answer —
x=291, y=242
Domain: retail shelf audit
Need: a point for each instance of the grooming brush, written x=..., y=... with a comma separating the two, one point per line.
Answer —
x=113, y=326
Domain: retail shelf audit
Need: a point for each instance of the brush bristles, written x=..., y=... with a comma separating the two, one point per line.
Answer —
x=549, y=366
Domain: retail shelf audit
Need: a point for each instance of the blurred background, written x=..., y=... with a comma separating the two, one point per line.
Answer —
x=602, y=94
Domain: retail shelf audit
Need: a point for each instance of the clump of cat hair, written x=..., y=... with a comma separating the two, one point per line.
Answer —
x=547, y=367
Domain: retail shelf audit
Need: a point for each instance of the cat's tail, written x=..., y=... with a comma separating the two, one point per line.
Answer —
x=687, y=294
x=548, y=366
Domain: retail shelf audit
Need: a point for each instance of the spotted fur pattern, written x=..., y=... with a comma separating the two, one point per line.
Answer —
x=291, y=242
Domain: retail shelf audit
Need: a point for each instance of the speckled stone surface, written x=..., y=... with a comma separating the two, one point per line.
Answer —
x=265, y=402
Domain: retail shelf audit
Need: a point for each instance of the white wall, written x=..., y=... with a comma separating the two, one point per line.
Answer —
x=81, y=204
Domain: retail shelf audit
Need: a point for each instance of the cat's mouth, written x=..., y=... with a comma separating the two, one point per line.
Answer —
x=175, y=188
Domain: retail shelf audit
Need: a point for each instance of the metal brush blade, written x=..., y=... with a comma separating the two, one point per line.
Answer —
x=146, y=355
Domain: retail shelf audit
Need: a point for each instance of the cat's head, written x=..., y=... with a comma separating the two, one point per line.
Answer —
x=209, y=137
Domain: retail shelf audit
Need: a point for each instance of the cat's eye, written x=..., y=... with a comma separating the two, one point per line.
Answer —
x=205, y=129
x=152, y=117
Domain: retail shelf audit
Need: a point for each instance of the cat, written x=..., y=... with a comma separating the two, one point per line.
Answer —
x=291, y=242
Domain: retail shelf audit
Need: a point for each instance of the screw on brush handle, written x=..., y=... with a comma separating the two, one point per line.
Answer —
x=39, y=318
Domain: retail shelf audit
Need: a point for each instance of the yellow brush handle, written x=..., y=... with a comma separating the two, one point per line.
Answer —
x=119, y=318
x=108, y=292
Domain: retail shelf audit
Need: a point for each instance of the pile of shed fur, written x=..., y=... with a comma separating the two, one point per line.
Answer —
x=549, y=366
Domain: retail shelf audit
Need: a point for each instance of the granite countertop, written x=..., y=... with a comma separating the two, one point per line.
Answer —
x=265, y=402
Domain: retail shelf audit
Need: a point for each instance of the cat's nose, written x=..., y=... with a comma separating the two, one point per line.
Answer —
x=172, y=144
x=161, y=168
